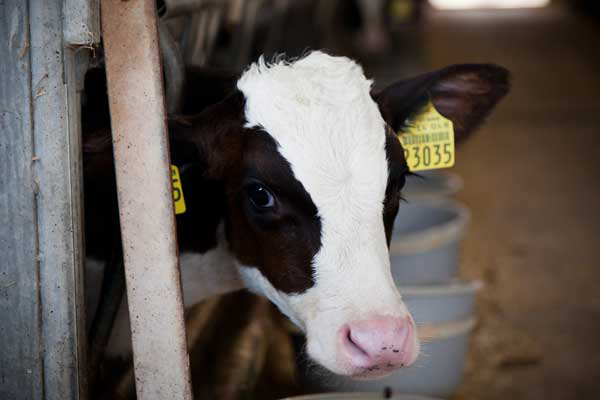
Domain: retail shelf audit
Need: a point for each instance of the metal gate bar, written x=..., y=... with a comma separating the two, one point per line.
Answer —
x=147, y=216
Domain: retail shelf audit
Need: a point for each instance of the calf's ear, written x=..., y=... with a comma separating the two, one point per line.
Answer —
x=464, y=93
x=212, y=138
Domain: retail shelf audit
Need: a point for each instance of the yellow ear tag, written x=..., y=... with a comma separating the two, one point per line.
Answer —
x=177, y=191
x=428, y=141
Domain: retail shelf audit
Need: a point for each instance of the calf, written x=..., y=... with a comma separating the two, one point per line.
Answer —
x=292, y=182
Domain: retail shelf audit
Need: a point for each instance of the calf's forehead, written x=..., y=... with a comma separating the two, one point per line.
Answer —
x=320, y=112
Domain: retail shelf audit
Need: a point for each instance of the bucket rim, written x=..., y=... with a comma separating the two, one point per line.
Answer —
x=453, y=287
x=435, y=236
x=357, y=396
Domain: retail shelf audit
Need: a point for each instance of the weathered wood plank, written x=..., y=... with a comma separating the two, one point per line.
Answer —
x=140, y=144
x=81, y=24
x=41, y=323
x=58, y=176
x=21, y=375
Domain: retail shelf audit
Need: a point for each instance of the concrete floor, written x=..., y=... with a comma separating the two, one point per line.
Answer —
x=532, y=181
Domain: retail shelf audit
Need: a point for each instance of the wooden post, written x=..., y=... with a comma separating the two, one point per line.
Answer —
x=147, y=215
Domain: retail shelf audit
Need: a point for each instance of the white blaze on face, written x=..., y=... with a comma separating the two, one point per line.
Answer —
x=320, y=112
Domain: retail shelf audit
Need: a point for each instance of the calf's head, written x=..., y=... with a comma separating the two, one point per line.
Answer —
x=312, y=171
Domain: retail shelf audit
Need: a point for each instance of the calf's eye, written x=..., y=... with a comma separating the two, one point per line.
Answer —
x=260, y=197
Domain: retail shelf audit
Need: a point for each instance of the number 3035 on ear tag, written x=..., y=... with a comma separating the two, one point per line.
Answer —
x=428, y=141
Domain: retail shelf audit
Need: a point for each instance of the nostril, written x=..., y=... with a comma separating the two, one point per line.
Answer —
x=353, y=350
x=354, y=344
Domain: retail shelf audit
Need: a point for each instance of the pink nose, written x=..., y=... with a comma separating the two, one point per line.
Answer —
x=379, y=344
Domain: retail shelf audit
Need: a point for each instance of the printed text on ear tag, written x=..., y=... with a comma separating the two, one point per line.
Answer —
x=428, y=141
x=177, y=191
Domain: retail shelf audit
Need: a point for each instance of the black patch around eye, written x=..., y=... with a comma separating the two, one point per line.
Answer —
x=282, y=241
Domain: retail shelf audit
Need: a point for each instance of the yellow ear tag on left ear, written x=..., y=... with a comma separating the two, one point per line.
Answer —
x=177, y=191
x=428, y=141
